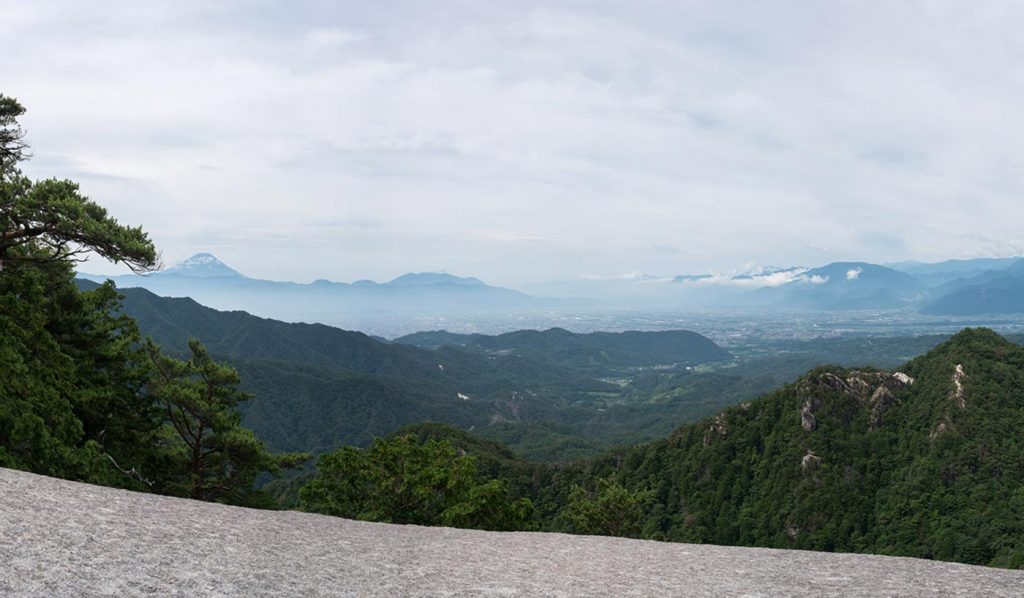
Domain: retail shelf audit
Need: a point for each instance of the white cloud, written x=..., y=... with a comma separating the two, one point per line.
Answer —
x=853, y=273
x=780, y=278
x=628, y=276
x=753, y=280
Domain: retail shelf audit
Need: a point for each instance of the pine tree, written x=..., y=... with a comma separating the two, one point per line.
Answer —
x=212, y=456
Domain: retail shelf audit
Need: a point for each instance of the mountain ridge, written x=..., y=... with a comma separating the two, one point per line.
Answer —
x=593, y=349
x=210, y=282
x=954, y=287
x=318, y=387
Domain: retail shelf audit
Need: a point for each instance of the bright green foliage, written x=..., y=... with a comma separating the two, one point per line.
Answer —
x=960, y=490
x=212, y=457
x=611, y=510
x=403, y=480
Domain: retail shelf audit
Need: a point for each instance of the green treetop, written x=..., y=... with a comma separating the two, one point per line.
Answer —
x=403, y=480
x=213, y=457
x=50, y=220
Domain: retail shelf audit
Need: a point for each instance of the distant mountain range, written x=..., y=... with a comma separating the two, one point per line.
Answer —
x=209, y=281
x=934, y=275
x=955, y=287
x=998, y=291
x=846, y=285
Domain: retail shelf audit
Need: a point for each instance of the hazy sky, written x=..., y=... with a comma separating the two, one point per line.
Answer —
x=527, y=141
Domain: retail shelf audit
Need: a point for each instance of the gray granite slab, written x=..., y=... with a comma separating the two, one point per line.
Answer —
x=60, y=538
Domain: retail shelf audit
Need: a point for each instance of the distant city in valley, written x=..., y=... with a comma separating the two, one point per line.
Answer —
x=791, y=302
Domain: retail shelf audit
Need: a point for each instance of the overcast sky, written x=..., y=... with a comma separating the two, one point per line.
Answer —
x=530, y=141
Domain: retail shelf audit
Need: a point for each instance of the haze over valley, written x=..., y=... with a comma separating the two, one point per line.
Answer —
x=842, y=297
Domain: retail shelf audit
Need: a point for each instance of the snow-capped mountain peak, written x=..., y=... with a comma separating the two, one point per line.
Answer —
x=203, y=265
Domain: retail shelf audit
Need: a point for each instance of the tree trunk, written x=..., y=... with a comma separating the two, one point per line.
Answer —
x=197, y=464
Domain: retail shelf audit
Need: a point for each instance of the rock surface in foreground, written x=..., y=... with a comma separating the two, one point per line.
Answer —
x=60, y=538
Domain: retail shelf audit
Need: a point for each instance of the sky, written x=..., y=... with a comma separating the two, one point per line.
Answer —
x=522, y=142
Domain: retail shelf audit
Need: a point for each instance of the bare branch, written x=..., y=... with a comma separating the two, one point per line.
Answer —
x=129, y=472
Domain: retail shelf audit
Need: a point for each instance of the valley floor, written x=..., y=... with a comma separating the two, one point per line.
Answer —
x=60, y=538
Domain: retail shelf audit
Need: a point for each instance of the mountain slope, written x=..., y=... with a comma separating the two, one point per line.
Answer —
x=594, y=350
x=949, y=271
x=318, y=387
x=114, y=542
x=845, y=285
x=429, y=278
x=926, y=462
x=1002, y=295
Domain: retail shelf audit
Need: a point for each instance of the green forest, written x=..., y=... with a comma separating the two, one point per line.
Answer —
x=155, y=395
x=852, y=460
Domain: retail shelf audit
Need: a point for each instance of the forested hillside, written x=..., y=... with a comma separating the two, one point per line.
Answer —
x=317, y=387
x=542, y=393
x=926, y=461
x=596, y=351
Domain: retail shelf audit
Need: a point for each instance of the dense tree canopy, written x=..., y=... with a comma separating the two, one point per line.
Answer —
x=404, y=480
x=853, y=460
x=70, y=400
x=609, y=510
x=212, y=456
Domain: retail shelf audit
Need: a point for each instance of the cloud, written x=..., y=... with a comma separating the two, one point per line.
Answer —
x=333, y=37
x=628, y=276
x=776, y=279
x=853, y=273
x=754, y=277
x=601, y=133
